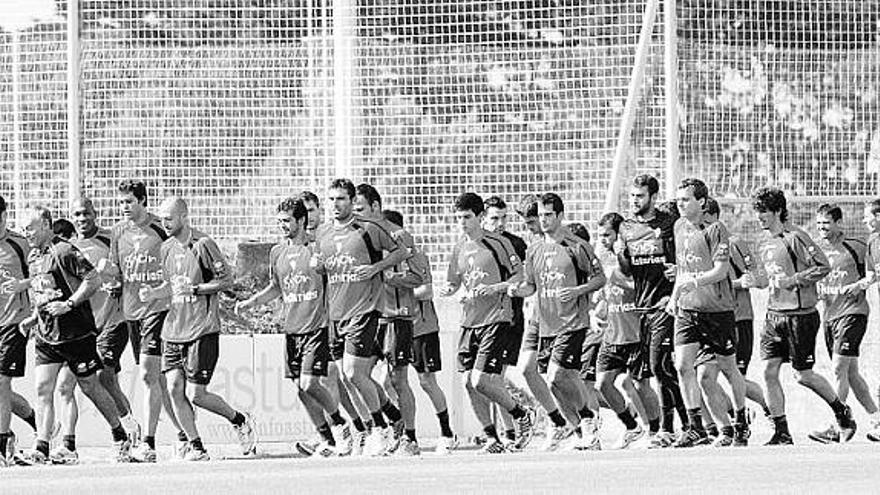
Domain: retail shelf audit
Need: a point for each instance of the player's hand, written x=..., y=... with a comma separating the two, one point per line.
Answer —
x=364, y=272
x=146, y=294
x=747, y=281
x=852, y=290
x=782, y=282
x=27, y=324
x=466, y=296
x=568, y=294
x=483, y=290
x=113, y=288
x=447, y=290
x=15, y=286
x=671, y=306
x=57, y=308
x=669, y=271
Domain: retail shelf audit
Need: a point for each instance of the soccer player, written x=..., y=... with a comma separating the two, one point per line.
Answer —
x=352, y=250
x=623, y=350
x=485, y=265
x=194, y=273
x=703, y=303
x=647, y=254
x=62, y=280
x=427, y=359
x=135, y=242
x=845, y=315
x=793, y=264
x=871, y=219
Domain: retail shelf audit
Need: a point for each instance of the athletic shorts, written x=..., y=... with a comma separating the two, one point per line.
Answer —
x=146, y=335
x=714, y=331
x=843, y=336
x=426, y=353
x=589, y=360
x=513, y=341
x=358, y=334
x=656, y=328
x=111, y=344
x=378, y=350
x=630, y=358
x=337, y=343
x=545, y=352
x=197, y=359
x=482, y=348
x=307, y=353
x=80, y=355
x=745, y=342
x=791, y=337
x=531, y=340
x=397, y=344
x=13, y=351
x=567, y=349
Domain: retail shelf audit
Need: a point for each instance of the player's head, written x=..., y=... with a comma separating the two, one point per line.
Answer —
x=643, y=193
x=828, y=218
x=64, y=229
x=690, y=198
x=4, y=215
x=469, y=212
x=341, y=196
x=37, y=225
x=174, y=214
x=367, y=201
x=394, y=217
x=133, y=199
x=495, y=219
x=313, y=206
x=770, y=205
x=711, y=211
x=528, y=210
x=609, y=229
x=579, y=230
x=292, y=216
x=550, y=212
x=84, y=216
x=871, y=217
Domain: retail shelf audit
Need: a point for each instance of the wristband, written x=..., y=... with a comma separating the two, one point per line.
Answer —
x=69, y=303
x=195, y=289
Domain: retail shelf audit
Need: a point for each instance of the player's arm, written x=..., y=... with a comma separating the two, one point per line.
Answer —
x=266, y=294
x=817, y=264
x=453, y=277
x=588, y=263
x=73, y=262
x=415, y=274
x=397, y=253
x=210, y=256
x=514, y=267
x=527, y=286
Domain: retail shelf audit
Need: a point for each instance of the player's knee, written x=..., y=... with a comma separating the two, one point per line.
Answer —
x=199, y=395
x=427, y=381
x=841, y=368
x=803, y=377
x=399, y=378
x=67, y=388
x=309, y=384
x=45, y=390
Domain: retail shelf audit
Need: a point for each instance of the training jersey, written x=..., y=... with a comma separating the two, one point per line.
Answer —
x=647, y=246
x=486, y=261
x=184, y=264
x=623, y=322
x=399, y=302
x=14, y=250
x=299, y=274
x=134, y=249
x=519, y=247
x=872, y=256
x=425, y=319
x=742, y=261
x=106, y=306
x=358, y=242
x=57, y=271
x=552, y=265
x=697, y=249
x=847, y=259
x=789, y=252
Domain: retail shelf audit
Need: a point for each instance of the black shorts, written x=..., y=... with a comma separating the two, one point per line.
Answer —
x=512, y=342
x=843, y=336
x=197, y=359
x=482, y=348
x=745, y=342
x=13, y=351
x=531, y=340
x=80, y=355
x=358, y=334
x=307, y=353
x=631, y=358
x=337, y=344
x=716, y=332
x=790, y=338
x=111, y=344
x=567, y=349
x=589, y=360
x=397, y=344
x=426, y=353
x=656, y=328
x=378, y=350
x=146, y=335
x=545, y=352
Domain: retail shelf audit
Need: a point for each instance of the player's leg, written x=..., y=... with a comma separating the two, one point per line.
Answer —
x=175, y=377
x=530, y=369
x=13, y=357
x=311, y=358
x=23, y=409
x=659, y=330
x=111, y=344
x=716, y=400
x=687, y=346
x=398, y=348
x=147, y=333
x=68, y=410
x=427, y=362
x=45, y=377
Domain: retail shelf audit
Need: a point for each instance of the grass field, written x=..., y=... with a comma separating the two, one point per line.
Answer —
x=804, y=468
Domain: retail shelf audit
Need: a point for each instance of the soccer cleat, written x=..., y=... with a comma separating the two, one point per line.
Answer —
x=555, y=436
x=181, y=449
x=359, y=439
x=828, y=435
x=723, y=440
x=31, y=458
x=874, y=434
x=194, y=455
x=396, y=429
x=847, y=425
x=307, y=447
x=493, y=446
x=133, y=429
x=378, y=442
x=143, y=452
x=247, y=435
x=780, y=439
x=445, y=445
x=525, y=429
x=589, y=435
x=63, y=455
x=661, y=440
x=408, y=448
x=629, y=437
x=11, y=447
x=123, y=451
x=741, y=434
x=342, y=437
x=691, y=438
x=324, y=449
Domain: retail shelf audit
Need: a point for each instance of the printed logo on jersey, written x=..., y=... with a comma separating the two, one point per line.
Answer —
x=340, y=262
x=474, y=274
x=135, y=263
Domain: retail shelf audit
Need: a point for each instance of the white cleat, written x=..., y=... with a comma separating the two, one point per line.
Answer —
x=445, y=445
x=63, y=455
x=555, y=436
x=343, y=438
x=247, y=435
x=630, y=437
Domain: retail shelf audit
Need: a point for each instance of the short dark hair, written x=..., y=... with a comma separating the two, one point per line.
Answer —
x=579, y=230
x=64, y=228
x=309, y=196
x=649, y=181
x=495, y=202
x=394, y=217
x=553, y=200
x=613, y=220
x=528, y=206
x=469, y=201
x=344, y=184
x=670, y=208
x=830, y=210
x=770, y=199
x=137, y=188
x=295, y=207
x=712, y=207
x=697, y=186
x=369, y=193
x=874, y=206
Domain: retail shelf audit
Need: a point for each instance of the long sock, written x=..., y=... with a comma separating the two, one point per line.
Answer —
x=668, y=418
x=43, y=447
x=731, y=413
x=491, y=432
x=727, y=431
x=712, y=430
x=120, y=435
x=510, y=435
x=628, y=421
x=517, y=412
x=654, y=425
x=378, y=420
x=695, y=419
x=4, y=441
x=337, y=419
x=197, y=445
x=31, y=420
x=151, y=442
x=238, y=419
x=410, y=434
x=359, y=424
x=767, y=413
x=391, y=412
x=683, y=415
x=181, y=436
x=443, y=418
x=326, y=434
x=838, y=407
x=740, y=417
x=780, y=424
x=69, y=442
x=586, y=413
x=556, y=418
